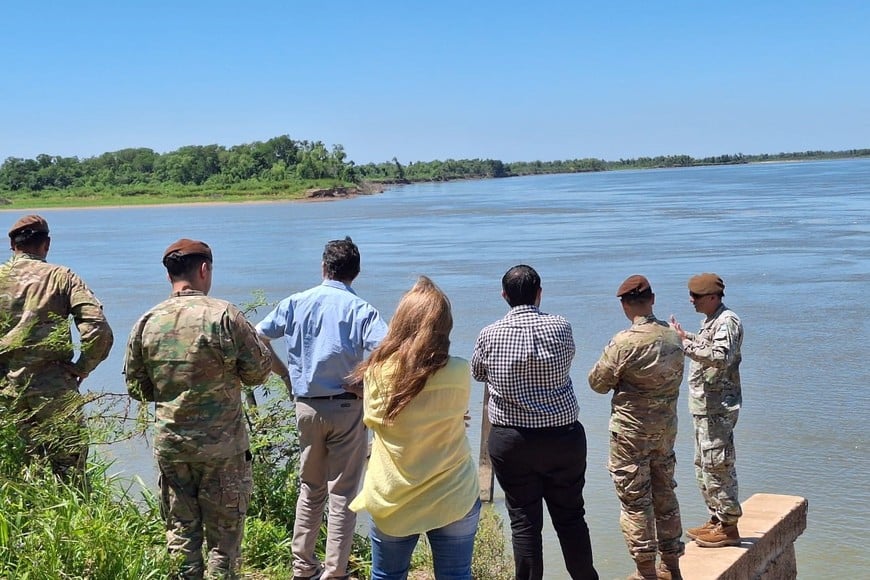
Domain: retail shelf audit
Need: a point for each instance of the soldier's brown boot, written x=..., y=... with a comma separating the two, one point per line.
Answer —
x=721, y=535
x=693, y=533
x=646, y=570
x=669, y=568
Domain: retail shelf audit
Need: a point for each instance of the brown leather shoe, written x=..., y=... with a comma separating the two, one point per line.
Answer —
x=646, y=570
x=693, y=533
x=669, y=568
x=721, y=535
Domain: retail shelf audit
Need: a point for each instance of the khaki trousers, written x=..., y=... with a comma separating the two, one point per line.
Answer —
x=332, y=443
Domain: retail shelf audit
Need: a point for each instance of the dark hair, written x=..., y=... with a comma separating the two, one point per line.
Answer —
x=637, y=297
x=521, y=285
x=28, y=239
x=183, y=266
x=341, y=260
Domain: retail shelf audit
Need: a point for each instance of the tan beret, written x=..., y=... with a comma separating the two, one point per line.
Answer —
x=706, y=283
x=633, y=286
x=186, y=247
x=30, y=224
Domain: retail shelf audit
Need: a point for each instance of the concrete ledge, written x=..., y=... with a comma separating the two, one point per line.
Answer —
x=769, y=527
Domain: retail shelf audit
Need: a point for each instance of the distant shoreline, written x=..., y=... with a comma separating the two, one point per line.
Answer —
x=318, y=195
x=311, y=196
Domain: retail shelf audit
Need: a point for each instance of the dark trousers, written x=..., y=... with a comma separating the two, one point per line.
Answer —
x=537, y=465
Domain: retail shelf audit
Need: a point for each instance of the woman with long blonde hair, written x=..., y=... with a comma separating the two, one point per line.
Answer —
x=421, y=477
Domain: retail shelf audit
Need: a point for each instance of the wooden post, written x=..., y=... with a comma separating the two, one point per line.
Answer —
x=485, y=475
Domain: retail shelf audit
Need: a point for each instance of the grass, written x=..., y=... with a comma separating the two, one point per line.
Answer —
x=167, y=193
x=50, y=530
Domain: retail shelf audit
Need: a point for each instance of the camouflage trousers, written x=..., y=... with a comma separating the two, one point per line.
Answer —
x=714, y=465
x=51, y=425
x=206, y=500
x=642, y=469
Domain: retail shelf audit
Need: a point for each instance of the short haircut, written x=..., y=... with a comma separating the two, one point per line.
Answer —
x=28, y=240
x=183, y=266
x=341, y=260
x=521, y=285
x=637, y=298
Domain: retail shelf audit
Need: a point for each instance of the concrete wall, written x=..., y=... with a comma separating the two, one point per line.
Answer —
x=769, y=527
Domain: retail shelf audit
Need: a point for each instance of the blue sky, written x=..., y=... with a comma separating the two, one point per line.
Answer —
x=435, y=80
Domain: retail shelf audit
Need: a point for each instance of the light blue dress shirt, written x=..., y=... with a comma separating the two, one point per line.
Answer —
x=328, y=330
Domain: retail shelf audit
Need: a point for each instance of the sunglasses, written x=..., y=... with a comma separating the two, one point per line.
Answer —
x=695, y=295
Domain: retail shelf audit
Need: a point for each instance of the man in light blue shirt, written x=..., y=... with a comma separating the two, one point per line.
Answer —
x=328, y=330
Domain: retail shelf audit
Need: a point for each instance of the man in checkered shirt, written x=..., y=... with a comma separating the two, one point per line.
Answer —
x=537, y=445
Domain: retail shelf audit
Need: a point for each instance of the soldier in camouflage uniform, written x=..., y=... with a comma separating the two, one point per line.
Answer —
x=190, y=355
x=714, y=401
x=39, y=382
x=643, y=366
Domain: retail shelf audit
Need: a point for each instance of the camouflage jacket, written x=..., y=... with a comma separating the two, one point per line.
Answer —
x=714, y=372
x=191, y=354
x=643, y=365
x=36, y=346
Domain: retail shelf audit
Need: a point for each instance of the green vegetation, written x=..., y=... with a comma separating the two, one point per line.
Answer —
x=394, y=172
x=280, y=169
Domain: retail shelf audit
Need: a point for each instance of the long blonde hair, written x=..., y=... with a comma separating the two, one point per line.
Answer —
x=418, y=343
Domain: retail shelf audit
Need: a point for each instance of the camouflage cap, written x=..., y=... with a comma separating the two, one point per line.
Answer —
x=29, y=224
x=633, y=286
x=706, y=283
x=186, y=247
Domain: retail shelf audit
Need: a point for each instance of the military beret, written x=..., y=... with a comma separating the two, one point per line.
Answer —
x=186, y=247
x=706, y=283
x=29, y=224
x=633, y=286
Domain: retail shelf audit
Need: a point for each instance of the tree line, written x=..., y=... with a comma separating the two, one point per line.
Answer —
x=282, y=160
x=278, y=159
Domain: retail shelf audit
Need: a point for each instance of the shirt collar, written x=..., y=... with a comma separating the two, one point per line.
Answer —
x=26, y=256
x=523, y=309
x=716, y=314
x=338, y=285
x=188, y=293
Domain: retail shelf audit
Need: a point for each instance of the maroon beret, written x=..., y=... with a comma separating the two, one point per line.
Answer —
x=706, y=283
x=633, y=286
x=29, y=224
x=186, y=247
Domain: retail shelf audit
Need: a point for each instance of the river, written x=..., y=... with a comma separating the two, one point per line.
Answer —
x=791, y=240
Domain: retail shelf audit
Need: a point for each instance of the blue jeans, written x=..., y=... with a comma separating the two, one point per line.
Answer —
x=452, y=546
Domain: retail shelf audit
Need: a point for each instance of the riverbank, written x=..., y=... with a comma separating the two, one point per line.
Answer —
x=310, y=195
x=270, y=192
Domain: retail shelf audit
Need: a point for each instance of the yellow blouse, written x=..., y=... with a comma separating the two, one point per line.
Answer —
x=420, y=475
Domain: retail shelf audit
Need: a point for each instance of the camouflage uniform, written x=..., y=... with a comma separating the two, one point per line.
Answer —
x=714, y=401
x=190, y=354
x=38, y=379
x=643, y=365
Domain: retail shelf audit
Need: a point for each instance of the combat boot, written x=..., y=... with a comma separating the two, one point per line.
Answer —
x=669, y=568
x=646, y=570
x=693, y=533
x=719, y=536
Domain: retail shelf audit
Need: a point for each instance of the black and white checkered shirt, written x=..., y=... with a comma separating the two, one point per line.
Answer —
x=525, y=359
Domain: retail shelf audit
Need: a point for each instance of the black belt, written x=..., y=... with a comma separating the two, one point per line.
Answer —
x=345, y=395
x=557, y=429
